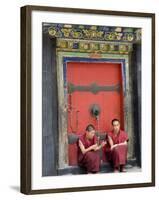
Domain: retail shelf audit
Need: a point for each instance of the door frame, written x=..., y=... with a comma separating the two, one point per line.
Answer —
x=62, y=59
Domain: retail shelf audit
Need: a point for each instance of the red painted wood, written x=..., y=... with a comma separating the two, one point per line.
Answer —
x=111, y=103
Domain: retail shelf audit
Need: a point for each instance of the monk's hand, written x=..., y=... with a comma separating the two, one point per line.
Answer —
x=94, y=147
x=123, y=143
x=103, y=144
x=113, y=146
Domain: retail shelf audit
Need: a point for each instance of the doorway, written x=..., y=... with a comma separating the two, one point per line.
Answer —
x=93, y=84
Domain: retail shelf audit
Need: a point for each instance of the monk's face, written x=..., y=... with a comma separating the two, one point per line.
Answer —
x=116, y=126
x=90, y=134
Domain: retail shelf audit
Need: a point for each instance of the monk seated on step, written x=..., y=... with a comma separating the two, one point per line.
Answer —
x=88, y=150
x=117, y=150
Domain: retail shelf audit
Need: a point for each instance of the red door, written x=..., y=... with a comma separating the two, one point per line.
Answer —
x=93, y=84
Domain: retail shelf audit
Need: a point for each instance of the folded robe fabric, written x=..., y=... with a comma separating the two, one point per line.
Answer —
x=91, y=159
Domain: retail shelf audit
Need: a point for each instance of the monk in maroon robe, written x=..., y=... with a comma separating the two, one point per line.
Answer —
x=117, y=153
x=88, y=150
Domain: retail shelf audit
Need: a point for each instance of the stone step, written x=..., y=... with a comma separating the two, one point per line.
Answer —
x=104, y=168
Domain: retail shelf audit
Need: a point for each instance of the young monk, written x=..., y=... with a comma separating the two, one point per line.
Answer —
x=88, y=150
x=118, y=139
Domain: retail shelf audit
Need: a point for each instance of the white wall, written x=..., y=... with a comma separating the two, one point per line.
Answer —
x=10, y=98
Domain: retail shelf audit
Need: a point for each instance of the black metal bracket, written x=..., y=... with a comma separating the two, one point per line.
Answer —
x=94, y=88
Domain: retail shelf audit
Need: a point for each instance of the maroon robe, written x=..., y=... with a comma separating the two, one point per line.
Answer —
x=91, y=159
x=118, y=155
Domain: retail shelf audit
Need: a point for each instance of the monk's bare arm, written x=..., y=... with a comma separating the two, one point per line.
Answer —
x=85, y=150
x=122, y=143
x=110, y=142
